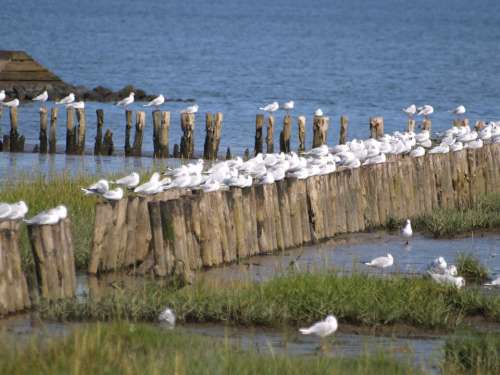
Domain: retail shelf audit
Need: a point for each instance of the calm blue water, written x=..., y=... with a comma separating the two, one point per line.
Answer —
x=353, y=57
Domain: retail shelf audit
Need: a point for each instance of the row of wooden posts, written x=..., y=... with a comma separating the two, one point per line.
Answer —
x=104, y=145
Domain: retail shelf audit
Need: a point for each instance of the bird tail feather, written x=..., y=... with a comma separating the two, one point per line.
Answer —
x=305, y=331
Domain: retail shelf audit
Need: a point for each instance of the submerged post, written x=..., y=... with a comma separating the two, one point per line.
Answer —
x=320, y=130
x=140, y=123
x=259, y=124
x=108, y=146
x=301, y=121
x=156, y=133
x=128, y=130
x=43, y=140
x=80, y=133
x=285, y=134
x=344, y=122
x=52, y=132
x=270, y=134
x=376, y=127
x=164, y=128
x=187, y=139
x=98, y=136
x=70, y=131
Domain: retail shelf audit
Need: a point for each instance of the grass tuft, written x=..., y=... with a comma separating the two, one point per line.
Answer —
x=478, y=354
x=471, y=269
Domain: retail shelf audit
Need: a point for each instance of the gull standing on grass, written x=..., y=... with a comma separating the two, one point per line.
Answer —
x=42, y=98
x=67, y=100
x=323, y=328
x=125, y=102
x=156, y=102
x=381, y=262
x=270, y=108
x=191, y=109
x=407, y=232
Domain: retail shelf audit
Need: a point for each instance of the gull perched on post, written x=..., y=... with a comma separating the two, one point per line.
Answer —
x=67, y=100
x=125, y=102
x=42, y=98
x=425, y=110
x=156, y=102
x=130, y=181
x=411, y=110
x=76, y=105
x=460, y=110
x=12, y=104
x=318, y=112
x=100, y=187
x=270, y=108
x=191, y=109
x=288, y=106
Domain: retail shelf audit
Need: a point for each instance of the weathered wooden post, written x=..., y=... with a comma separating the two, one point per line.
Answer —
x=270, y=134
x=164, y=128
x=320, y=130
x=108, y=146
x=70, y=131
x=411, y=125
x=344, y=122
x=301, y=121
x=218, y=132
x=156, y=133
x=140, y=123
x=461, y=122
x=80, y=133
x=228, y=154
x=285, y=134
x=426, y=124
x=52, y=132
x=177, y=152
x=52, y=247
x=376, y=127
x=246, y=155
x=259, y=124
x=187, y=139
x=43, y=130
x=13, y=287
x=98, y=137
x=480, y=125
x=128, y=130
x=16, y=140
x=212, y=138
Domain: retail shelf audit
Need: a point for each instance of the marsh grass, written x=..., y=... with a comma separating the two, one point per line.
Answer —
x=475, y=353
x=122, y=348
x=471, y=269
x=483, y=215
x=294, y=299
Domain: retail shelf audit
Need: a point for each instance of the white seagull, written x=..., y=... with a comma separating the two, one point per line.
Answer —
x=191, y=109
x=447, y=279
x=2, y=96
x=411, y=110
x=100, y=187
x=323, y=328
x=156, y=102
x=125, y=102
x=495, y=282
x=113, y=195
x=5, y=210
x=318, y=112
x=76, y=105
x=407, y=232
x=18, y=210
x=460, y=110
x=130, y=181
x=68, y=99
x=167, y=316
x=425, y=110
x=153, y=186
x=381, y=262
x=270, y=108
x=49, y=217
x=43, y=97
x=12, y=104
x=288, y=106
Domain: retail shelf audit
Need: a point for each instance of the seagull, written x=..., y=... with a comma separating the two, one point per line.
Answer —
x=130, y=181
x=426, y=110
x=167, y=316
x=125, y=102
x=153, y=186
x=68, y=99
x=156, y=102
x=113, y=195
x=191, y=109
x=43, y=97
x=2, y=96
x=447, y=279
x=76, y=105
x=318, y=112
x=12, y=104
x=495, y=282
x=288, y=106
x=100, y=187
x=411, y=110
x=18, y=210
x=460, y=110
x=417, y=152
x=438, y=265
x=381, y=262
x=270, y=108
x=5, y=210
x=323, y=328
x=49, y=217
x=407, y=232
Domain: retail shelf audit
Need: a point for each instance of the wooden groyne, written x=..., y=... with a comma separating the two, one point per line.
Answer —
x=191, y=231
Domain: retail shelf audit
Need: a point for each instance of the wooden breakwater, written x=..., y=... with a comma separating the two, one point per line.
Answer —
x=208, y=229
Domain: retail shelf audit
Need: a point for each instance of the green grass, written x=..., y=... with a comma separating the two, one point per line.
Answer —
x=123, y=348
x=483, y=215
x=478, y=354
x=292, y=300
x=471, y=269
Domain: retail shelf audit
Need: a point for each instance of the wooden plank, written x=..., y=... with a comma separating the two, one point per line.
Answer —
x=28, y=76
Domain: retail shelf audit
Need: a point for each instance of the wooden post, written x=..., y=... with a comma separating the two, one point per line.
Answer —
x=1, y=131
x=344, y=122
x=209, y=136
x=156, y=133
x=259, y=124
x=187, y=139
x=52, y=132
x=426, y=124
x=98, y=137
x=16, y=141
x=228, y=154
x=286, y=134
x=70, y=131
x=52, y=247
x=80, y=133
x=270, y=134
x=43, y=130
x=376, y=127
x=480, y=125
x=140, y=123
x=108, y=146
x=461, y=122
x=410, y=126
x=164, y=128
x=128, y=130
x=320, y=130
x=177, y=152
x=246, y=154
x=301, y=121
x=218, y=132
x=14, y=295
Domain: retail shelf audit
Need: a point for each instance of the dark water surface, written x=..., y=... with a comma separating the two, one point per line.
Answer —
x=354, y=57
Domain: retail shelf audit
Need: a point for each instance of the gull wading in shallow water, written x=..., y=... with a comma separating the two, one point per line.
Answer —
x=381, y=262
x=167, y=316
x=407, y=232
x=323, y=328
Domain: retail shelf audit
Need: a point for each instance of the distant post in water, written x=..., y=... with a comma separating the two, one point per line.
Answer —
x=140, y=123
x=16, y=140
x=212, y=138
x=218, y=132
x=376, y=127
x=98, y=136
x=128, y=130
x=187, y=139
x=43, y=130
x=108, y=146
x=70, y=130
x=156, y=133
x=259, y=124
x=285, y=134
x=301, y=121
x=411, y=125
x=52, y=132
x=344, y=122
x=461, y=122
x=320, y=130
x=80, y=133
x=270, y=134
x=164, y=128
x=426, y=124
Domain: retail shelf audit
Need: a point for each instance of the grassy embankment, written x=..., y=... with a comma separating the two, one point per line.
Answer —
x=123, y=348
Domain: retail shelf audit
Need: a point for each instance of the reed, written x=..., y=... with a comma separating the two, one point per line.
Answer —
x=471, y=269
